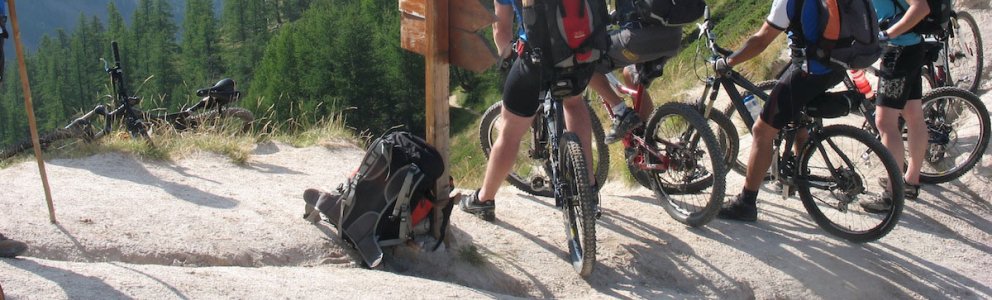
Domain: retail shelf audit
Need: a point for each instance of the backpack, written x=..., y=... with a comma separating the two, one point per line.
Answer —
x=848, y=34
x=389, y=200
x=670, y=12
x=566, y=34
x=936, y=21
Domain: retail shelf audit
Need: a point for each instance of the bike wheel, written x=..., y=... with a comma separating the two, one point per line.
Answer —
x=743, y=151
x=236, y=118
x=689, y=171
x=726, y=136
x=839, y=167
x=531, y=170
x=958, y=125
x=965, y=53
x=578, y=205
x=45, y=140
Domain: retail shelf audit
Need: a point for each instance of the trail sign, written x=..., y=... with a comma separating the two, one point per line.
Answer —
x=466, y=47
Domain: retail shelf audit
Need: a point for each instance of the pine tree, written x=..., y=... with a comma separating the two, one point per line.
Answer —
x=200, y=52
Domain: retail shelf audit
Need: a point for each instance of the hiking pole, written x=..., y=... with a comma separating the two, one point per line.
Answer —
x=29, y=108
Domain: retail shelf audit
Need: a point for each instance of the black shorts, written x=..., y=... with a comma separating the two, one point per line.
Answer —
x=525, y=82
x=901, y=76
x=791, y=93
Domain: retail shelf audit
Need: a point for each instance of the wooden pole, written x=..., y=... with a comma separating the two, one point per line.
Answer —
x=436, y=67
x=29, y=107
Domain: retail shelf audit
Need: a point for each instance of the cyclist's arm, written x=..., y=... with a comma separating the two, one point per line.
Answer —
x=503, y=28
x=918, y=9
x=755, y=44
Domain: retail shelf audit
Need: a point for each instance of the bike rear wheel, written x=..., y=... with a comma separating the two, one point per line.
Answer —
x=578, y=205
x=965, y=53
x=689, y=172
x=958, y=125
x=839, y=167
x=531, y=170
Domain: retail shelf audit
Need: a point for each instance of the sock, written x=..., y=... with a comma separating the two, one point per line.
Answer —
x=619, y=109
x=749, y=197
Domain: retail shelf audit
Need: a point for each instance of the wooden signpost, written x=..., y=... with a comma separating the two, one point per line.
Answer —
x=444, y=31
x=29, y=107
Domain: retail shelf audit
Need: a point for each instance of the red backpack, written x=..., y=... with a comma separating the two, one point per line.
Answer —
x=566, y=34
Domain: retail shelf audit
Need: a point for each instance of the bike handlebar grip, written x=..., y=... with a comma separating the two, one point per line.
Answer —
x=117, y=54
x=722, y=51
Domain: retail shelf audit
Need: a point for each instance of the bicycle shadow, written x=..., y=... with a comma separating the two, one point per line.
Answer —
x=941, y=201
x=127, y=168
x=855, y=271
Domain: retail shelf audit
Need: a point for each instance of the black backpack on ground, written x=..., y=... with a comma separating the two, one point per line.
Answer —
x=391, y=198
x=670, y=12
x=936, y=22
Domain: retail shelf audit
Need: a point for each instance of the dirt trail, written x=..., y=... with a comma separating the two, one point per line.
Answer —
x=205, y=228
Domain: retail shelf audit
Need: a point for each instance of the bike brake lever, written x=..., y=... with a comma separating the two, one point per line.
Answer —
x=106, y=66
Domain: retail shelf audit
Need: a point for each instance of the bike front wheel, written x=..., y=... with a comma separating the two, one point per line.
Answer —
x=45, y=140
x=578, y=205
x=965, y=53
x=531, y=170
x=235, y=118
x=840, y=167
x=958, y=126
x=687, y=166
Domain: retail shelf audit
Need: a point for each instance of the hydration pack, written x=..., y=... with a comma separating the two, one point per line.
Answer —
x=390, y=200
x=848, y=32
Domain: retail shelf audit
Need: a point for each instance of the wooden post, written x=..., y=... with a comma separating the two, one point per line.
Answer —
x=29, y=107
x=436, y=72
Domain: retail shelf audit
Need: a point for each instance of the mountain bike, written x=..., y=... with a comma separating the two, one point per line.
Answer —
x=831, y=167
x=531, y=172
x=98, y=122
x=676, y=153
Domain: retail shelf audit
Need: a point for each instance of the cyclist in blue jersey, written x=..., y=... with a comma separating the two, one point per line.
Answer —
x=805, y=79
x=900, y=89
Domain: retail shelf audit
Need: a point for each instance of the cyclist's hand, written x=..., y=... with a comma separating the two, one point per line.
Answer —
x=721, y=67
x=883, y=36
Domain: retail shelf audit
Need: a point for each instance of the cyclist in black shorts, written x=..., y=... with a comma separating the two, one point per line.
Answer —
x=804, y=80
x=900, y=89
x=521, y=94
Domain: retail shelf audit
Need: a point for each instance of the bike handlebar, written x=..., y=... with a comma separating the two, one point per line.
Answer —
x=117, y=54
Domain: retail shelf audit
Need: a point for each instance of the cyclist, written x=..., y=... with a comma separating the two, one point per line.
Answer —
x=900, y=89
x=521, y=94
x=636, y=41
x=806, y=78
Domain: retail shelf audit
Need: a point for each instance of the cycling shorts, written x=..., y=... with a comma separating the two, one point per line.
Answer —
x=901, y=76
x=526, y=82
x=791, y=93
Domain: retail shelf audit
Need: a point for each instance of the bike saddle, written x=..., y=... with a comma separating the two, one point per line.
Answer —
x=223, y=87
x=649, y=70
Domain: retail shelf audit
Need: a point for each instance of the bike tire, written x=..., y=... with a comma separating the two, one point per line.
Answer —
x=578, y=207
x=527, y=170
x=743, y=152
x=45, y=140
x=853, y=182
x=937, y=120
x=241, y=115
x=967, y=49
x=688, y=198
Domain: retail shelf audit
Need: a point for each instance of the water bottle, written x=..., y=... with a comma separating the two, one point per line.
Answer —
x=752, y=107
x=860, y=81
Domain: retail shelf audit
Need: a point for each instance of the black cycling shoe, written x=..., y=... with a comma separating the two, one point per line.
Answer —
x=622, y=125
x=482, y=209
x=738, y=210
x=878, y=205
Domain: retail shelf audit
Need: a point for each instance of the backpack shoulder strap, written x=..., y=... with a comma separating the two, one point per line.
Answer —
x=795, y=25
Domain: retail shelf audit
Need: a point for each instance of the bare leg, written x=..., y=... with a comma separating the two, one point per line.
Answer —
x=887, y=121
x=918, y=139
x=577, y=121
x=761, y=154
x=504, y=152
